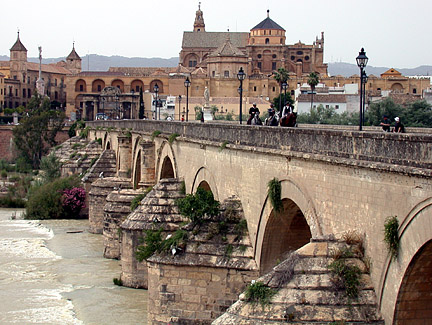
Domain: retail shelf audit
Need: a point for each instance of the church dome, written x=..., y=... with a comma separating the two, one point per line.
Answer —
x=268, y=23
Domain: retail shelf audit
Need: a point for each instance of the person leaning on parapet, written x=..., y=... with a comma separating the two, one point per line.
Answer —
x=385, y=123
x=399, y=127
x=252, y=111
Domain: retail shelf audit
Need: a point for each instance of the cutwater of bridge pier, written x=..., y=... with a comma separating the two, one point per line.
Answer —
x=333, y=182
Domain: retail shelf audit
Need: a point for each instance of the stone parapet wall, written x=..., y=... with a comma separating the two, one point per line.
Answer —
x=400, y=149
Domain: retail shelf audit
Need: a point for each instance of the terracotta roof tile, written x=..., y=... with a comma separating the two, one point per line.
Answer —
x=213, y=39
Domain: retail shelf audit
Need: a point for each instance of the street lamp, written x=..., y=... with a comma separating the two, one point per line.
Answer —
x=362, y=61
x=241, y=76
x=187, y=84
x=179, y=98
x=156, y=91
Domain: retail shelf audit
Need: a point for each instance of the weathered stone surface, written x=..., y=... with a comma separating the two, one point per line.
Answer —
x=205, y=278
x=116, y=210
x=98, y=193
x=308, y=295
x=157, y=210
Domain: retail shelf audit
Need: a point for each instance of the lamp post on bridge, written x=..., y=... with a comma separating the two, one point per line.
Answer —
x=362, y=61
x=187, y=84
x=156, y=91
x=241, y=75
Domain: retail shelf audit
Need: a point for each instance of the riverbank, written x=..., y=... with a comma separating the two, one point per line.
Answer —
x=53, y=272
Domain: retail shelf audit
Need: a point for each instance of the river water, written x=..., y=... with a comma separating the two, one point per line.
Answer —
x=53, y=272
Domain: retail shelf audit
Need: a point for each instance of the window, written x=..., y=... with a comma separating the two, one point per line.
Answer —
x=292, y=92
x=55, y=82
x=281, y=40
x=259, y=56
x=254, y=88
x=15, y=77
x=226, y=74
x=414, y=91
x=24, y=93
x=292, y=57
x=28, y=80
x=81, y=88
x=274, y=56
x=29, y=93
x=137, y=89
x=259, y=65
x=299, y=52
x=336, y=106
x=274, y=88
x=327, y=106
x=16, y=92
x=273, y=65
x=267, y=41
x=81, y=104
x=56, y=95
x=192, y=63
x=269, y=32
x=99, y=88
x=378, y=88
x=213, y=73
x=307, y=57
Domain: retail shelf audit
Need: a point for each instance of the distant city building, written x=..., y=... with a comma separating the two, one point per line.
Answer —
x=211, y=60
x=21, y=77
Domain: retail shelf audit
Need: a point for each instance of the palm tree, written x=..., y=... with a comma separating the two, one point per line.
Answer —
x=313, y=80
x=281, y=76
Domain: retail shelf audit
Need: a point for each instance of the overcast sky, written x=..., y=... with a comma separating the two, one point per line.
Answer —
x=394, y=33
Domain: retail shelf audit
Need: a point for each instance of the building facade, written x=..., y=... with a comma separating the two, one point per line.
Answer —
x=21, y=76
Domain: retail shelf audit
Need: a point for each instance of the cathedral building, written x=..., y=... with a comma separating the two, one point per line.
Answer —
x=211, y=60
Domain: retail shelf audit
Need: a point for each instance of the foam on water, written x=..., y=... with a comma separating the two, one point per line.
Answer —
x=30, y=292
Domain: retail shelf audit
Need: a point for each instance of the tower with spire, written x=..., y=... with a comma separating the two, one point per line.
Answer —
x=18, y=60
x=199, y=25
x=73, y=61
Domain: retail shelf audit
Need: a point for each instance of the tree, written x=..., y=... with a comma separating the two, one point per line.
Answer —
x=280, y=76
x=282, y=99
x=312, y=81
x=213, y=111
x=37, y=130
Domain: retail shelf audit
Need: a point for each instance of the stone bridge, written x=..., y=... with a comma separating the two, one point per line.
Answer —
x=333, y=181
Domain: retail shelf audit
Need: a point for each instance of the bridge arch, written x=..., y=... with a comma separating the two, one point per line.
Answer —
x=298, y=214
x=205, y=179
x=166, y=165
x=397, y=280
x=136, y=162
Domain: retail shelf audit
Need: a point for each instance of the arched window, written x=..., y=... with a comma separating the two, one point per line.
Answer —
x=267, y=41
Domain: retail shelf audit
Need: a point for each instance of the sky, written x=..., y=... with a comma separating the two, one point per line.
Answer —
x=394, y=33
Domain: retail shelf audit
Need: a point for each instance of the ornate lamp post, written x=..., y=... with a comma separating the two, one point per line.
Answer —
x=179, y=98
x=241, y=76
x=156, y=91
x=362, y=61
x=187, y=84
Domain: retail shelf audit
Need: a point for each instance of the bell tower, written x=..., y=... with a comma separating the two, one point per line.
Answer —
x=199, y=25
x=18, y=60
x=73, y=61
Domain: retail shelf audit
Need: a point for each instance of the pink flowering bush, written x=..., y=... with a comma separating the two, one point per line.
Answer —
x=73, y=200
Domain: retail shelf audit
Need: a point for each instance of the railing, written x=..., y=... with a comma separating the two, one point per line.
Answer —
x=407, y=149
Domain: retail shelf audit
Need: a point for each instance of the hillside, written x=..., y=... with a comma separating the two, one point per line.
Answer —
x=95, y=62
